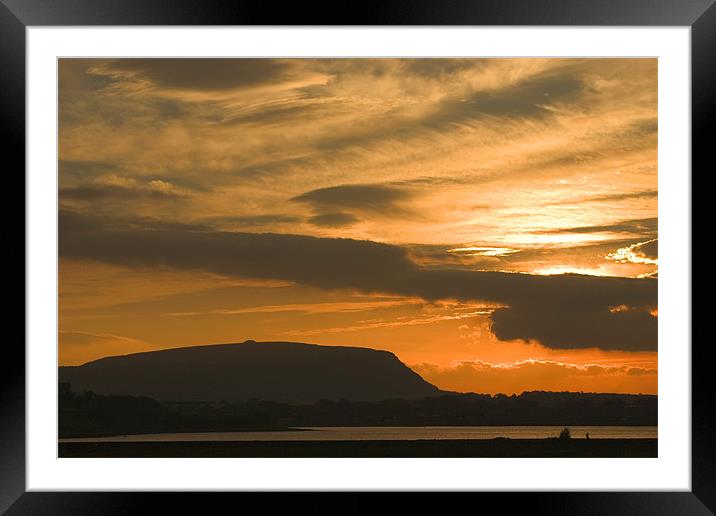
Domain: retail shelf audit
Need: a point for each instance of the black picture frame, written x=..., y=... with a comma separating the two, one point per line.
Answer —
x=17, y=15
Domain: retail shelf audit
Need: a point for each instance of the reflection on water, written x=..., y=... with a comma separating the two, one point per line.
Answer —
x=394, y=433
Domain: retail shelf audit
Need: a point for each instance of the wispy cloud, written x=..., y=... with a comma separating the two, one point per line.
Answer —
x=397, y=322
x=78, y=347
x=306, y=308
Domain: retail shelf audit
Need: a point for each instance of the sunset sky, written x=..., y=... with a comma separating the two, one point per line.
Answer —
x=492, y=222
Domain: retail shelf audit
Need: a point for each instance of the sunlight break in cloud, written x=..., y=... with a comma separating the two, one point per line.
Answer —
x=642, y=252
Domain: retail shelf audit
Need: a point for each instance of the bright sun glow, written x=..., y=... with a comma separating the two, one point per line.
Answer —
x=483, y=251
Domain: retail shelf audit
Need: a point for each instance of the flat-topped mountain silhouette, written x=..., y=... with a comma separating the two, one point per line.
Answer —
x=276, y=371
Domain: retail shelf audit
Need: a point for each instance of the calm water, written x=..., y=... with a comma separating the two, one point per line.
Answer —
x=393, y=433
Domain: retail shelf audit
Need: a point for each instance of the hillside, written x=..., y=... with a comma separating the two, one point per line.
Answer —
x=276, y=371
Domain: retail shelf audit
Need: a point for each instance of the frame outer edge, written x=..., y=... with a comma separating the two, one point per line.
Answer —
x=12, y=52
x=367, y=12
x=703, y=112
x=12, y=365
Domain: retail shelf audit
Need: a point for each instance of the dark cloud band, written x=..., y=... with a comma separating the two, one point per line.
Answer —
x=648, y=226
x=566, y=311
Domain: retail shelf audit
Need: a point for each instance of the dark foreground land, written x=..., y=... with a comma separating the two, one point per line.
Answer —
x=87, y=414
x=421, y=448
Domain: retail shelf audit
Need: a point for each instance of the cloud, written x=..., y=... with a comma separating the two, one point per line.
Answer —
x=100, y=192
x=531, y=98
x=206, y=223
x=271, y=168
x=466, y=312
x=83, y=168
x=534, y=98
x=649, y=249
x=648, y=226
x=563, y=311
x=366, y=198
x=438, y=67
x=644, y=194
x=306, y=308
x=641, y=252
x=483, y=251
x=202, y=73
x=268, y=116
x=77, y=347
x=562, y=327
x=119, y=188
x=529, y=375
x=333, y=220
x=330, y=204
x=250, y=220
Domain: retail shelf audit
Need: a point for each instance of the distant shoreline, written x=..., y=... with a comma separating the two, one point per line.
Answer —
x=169, y=436
x=197, y=431
x=501, y=447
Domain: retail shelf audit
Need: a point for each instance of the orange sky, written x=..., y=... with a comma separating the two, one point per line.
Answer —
x=202, y=202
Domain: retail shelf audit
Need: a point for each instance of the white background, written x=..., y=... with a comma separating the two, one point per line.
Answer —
x=671, y=470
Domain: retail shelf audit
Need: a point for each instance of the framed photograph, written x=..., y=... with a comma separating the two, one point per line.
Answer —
x=417, y=248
